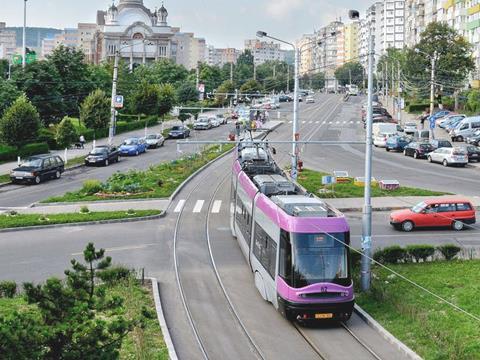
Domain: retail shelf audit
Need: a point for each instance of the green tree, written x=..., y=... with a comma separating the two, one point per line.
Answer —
x=473, y=101
x=20, y=123
x=8, y=94
x=318, y=81
x=100, y=77
x=145, y=100
x=42, y=84
x=454, y=58
x=245, y=58
x=186, y=93
x=166, y=100
x=66, y=134
x=163, y=71
x=95, y=110
x=3, y=68
x=226, y=87
x=73, y=70
x=211, y=76
x=251, y=87
x=350, y=70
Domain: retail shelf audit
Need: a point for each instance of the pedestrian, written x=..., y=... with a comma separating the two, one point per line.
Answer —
x=237, y=127
x=424, y=117
x=82, y=141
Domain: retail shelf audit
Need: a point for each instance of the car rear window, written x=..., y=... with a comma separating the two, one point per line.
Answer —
x=446, y=208
x=464, y=207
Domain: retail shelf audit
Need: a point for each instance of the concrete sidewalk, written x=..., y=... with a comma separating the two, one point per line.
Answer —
x=73, y=153
x=390, y=203
x=154, y=204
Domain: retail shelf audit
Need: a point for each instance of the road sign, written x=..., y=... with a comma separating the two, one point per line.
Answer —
x=432, y=122
x=329, y=180
x=118, y=101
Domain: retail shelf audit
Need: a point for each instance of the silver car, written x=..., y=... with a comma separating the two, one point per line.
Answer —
x=449, y=156
x=155, y=140
x=410, y=128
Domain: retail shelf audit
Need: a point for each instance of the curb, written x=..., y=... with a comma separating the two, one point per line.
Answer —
x=385, y=334
x=90, y=223
x=172, y=354
x=40, y=204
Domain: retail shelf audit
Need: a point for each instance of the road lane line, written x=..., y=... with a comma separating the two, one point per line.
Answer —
x=179, y=206
x=316, y=122
x=216, y=206
x=198, y=206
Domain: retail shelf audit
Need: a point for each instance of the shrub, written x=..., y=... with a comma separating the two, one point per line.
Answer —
x=91, y=187
x=417, y=108
x=66, y=133
x=33, y=149
x=390, y=255
x=7, y=153
x=8, y=289
x=449, y=251
x=47, y=136
x=43, y=218
x=114, y=274
x=130, y=212
x=418, y=252
x=20, y=122
x=84, y=209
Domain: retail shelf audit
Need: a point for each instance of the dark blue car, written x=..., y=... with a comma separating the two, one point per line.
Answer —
x=397, y=143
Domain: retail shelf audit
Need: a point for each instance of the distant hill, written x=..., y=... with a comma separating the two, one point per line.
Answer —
x=35, y=35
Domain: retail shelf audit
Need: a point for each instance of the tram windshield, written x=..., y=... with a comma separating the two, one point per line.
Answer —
x=319, y=258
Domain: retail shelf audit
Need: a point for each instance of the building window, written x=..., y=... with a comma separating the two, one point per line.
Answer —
x=137, y=36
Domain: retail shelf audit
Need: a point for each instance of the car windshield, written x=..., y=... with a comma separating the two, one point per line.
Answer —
x=425, y=146
x=202, y=120
x=33, y=163
x=411, y=124
x=151, y=137
x=177, y=128
x=98, y=151
x=130, y=142
x=417, y=209
x=318, y=258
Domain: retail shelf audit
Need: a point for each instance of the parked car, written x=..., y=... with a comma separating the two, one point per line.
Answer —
x=473, y=152
x=285, y=98
x=453, y=124
x=440, y=143
x=439, y=114
x=37, y=169
x=102, y=155
x=154, y=140
x=442, y=122
x=449, y=156
x=310, y=100
x=221, y=118
x=418, y=150
x=465, y=128
x=421, y=135
x=214, y=121
x=179, y=132
x=202, y=123
x=397, y=142
x=133, y=146
x=380, y=139
x=410, y=128
x=442, y=212
x=474, y=139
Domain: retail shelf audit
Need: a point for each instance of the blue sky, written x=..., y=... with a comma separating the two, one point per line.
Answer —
x=221, y=22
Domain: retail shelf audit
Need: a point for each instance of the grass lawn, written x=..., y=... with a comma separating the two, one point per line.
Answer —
x=428, y=326
x=4, y=178
x=158, y=181
x=144, y=343
x=312, y=181
x=22, y=220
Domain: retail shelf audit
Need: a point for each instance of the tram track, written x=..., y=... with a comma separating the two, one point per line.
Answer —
x=362, y=343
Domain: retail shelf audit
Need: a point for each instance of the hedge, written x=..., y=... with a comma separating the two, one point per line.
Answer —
x=396, y=254
x=417, y=108
x=122, y=127
x=9, y=153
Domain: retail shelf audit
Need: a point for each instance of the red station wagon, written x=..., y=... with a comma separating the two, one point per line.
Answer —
x=444, y=212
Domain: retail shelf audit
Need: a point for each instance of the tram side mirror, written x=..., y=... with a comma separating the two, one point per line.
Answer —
x=274, y=151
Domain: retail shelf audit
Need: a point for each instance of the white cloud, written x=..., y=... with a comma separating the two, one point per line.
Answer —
x=280, y=9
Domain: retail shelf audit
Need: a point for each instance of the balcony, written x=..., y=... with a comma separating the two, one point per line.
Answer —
x=473, y=24
x=473, y=10
x=448, y=4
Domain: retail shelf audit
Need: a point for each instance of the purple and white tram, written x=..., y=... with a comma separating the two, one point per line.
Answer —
x=294, y=242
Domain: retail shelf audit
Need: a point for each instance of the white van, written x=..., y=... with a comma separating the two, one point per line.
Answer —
x=465, y=128
x=384, y=128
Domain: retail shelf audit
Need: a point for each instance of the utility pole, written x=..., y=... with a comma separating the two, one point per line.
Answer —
x=254, y=70
x=274, y=68
x=350, y=76
x=432, y=91
x=296, y=135
x=114, y=94
x=399, y=98
x=288, y=78
x=197, y=75
x=386, y=80
x=24, y=41
x=231, y=72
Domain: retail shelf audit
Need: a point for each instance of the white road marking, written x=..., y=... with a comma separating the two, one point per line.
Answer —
x=303, y=122
x=216, y=206
x=330, y=122
x=290, y=121
x=198, y=206
x=358, y=122
x=179, y=206
x=310, y=122
x=338, y=122
x=344, y=122
x=316, y=122
x=121, y=248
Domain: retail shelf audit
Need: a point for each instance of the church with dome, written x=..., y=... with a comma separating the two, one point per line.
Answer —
x=142, y=36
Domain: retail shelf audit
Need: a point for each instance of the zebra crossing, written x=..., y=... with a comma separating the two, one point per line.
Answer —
x=351, y=122
x=199, y=206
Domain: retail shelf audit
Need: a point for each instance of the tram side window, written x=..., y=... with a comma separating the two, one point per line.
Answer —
x=242, y=217
x=265, y=250
x=285, y=260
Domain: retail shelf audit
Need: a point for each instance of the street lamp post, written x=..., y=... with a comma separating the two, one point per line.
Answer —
x=433, y=62
x=295, y=134
x=111, y=130
x=24, y=41
x=367, y=208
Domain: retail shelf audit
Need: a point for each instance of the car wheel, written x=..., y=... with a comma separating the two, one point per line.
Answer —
x=107, y=162
x=445, y=162
x=457, y=225
x=387, y=149
x=137, y=153
x=405, y=153
x=37, y=180
x=407, y=226
x=460, y=138
x=430, y=159
x=58, y=174
x=415, y=155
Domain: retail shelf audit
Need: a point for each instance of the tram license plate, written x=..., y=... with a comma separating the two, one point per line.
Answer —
x=324, y=316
